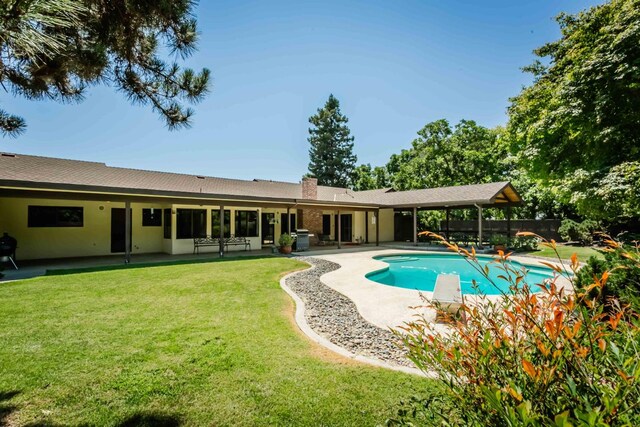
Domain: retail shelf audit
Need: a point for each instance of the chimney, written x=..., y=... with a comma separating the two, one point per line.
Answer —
x=310, y=188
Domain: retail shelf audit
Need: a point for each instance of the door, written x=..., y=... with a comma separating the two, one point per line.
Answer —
x=284, y=223
x=346, y=227
x=403, y=226
x=268, y=228
x=118, y=228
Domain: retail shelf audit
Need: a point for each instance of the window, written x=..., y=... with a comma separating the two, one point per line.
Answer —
x=215, y=223
x=326, y=225
x=167, y=223
x=55, y=216
x=152, y=217
x=246, y=223
x=191, y=223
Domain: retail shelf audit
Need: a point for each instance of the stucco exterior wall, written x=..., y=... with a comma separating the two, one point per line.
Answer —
x=92, y=239
x=386, y=225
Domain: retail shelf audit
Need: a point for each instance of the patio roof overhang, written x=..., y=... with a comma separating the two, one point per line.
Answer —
x=121, y=195
x=502, y=196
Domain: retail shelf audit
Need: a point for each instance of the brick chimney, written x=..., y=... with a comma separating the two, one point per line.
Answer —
x=310, y=188
x=310, y=218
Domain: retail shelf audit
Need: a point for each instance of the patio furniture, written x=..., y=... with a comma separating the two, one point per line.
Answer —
x=325, y=240
x=198, y=242
x=237, y=241
x=8, y=247
x=448, y=293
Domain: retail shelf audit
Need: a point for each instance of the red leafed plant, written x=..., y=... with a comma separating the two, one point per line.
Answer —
x=540, y=355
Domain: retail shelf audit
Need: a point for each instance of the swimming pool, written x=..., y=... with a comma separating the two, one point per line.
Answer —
x=420, y=271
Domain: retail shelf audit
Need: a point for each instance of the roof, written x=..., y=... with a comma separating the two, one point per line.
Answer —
x=35, y=172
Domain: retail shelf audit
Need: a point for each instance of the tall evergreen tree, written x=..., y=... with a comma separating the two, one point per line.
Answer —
x=55, y=49
x=331, y=154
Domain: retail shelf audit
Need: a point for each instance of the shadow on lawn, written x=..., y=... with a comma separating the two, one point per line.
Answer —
x=151, y=419
x=143, y=419
x=61, y=272
x=6, y=409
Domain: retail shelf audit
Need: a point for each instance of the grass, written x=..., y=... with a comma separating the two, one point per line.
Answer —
x=565, y=252
x=188, y=344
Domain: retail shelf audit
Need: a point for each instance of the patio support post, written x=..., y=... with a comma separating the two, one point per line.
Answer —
x=479, y=225
x=377, y=227
x=288, y=221
x=221, y=236
x=339, y=231
x=415, y=226
x=508, y=226
x=448, y=217
x=366, y=226
x=127, y=232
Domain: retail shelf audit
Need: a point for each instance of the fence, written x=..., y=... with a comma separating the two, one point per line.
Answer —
x=547, y=228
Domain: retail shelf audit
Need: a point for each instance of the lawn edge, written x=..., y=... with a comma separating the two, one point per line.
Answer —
x=302, y=324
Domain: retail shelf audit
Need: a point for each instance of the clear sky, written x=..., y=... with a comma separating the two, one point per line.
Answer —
x=394, y=66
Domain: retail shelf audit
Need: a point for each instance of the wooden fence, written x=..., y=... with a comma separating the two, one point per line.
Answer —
x=547, y=228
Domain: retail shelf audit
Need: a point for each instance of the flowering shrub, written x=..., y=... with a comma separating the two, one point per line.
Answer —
x=541, y=355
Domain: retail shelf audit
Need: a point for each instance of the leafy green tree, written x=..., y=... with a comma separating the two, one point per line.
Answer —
x=363, y=178
x=331, y=154
x=581, y=115
x=442, y=156
x=616, y=195
x=55, y=49
x=381, y=177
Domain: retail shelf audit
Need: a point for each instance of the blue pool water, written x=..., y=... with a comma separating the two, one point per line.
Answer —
x=420, y=272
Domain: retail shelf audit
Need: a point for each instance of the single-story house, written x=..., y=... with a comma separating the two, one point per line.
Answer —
x=67, y=208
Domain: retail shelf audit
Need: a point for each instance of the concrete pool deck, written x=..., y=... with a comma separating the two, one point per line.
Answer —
x=382, y=305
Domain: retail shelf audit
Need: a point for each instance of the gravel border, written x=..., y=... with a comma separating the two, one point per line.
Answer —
x=335, y=318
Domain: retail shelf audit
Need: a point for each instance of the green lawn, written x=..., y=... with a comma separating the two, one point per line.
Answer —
x=193, y=344
x=565, y=252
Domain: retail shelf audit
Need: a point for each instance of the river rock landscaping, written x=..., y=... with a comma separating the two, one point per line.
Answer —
x=335, y=317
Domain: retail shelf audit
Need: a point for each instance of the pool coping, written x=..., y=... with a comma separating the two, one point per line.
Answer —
x=388, y=306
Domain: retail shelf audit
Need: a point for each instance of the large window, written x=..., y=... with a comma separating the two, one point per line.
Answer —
x=246, y=223
x=55, y=216
x=191, y=223
x=167, y=223
x=152, y=217
x=215, y=223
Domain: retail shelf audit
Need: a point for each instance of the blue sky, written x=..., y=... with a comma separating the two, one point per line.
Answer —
x=394, y=66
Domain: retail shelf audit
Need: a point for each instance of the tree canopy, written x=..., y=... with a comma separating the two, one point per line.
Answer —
x=442, y=156
x=331, y=153
x=581, y=116
x=55, y=49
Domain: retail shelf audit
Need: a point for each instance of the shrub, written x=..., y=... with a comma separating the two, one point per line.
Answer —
x=498, y=240
x=623, y=283
x=545, y=358
x=569, y=230
x=285, y=240
x=573, y=231
x=524, y=243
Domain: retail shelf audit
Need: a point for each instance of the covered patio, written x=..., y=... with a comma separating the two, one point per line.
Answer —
x=479, y=197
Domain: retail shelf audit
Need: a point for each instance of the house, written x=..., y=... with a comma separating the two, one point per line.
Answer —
x=67, y=208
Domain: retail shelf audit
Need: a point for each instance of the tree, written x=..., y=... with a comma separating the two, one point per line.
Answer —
x=581, y=115
x=331, y=154
x=55, y=49
x=363, y=178
x=443, y=156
